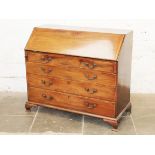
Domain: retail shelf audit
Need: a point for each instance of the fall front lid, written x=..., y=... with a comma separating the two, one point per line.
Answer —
x=102, y=45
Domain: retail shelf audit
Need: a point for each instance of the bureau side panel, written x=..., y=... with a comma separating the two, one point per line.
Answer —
x=26, y=59
x=124, y=73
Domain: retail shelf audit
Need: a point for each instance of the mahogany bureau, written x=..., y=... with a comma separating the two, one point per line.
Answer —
x=81, y=70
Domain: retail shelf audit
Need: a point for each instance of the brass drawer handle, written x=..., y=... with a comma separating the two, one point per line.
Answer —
x=46, y=59
x=46, y=70
x=91, y=90
x=90, y=78
x=47, y=97
x=45, y=83
x=90, y=105
x=88, y=65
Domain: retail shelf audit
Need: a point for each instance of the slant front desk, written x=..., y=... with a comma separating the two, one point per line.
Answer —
x=85, y=71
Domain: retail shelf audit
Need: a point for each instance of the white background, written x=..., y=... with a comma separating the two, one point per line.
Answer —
x=15, y=33
x=77, y=12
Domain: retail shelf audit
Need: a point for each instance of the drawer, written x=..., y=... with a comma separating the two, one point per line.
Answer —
x=93, y=77
x=73, y=102
x=73, y=87
x=71, y=61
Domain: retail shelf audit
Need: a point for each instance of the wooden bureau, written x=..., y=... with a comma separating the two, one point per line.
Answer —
x=81, y=70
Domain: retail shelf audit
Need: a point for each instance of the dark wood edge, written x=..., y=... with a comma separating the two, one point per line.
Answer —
x=115, y=122
x=121, y=113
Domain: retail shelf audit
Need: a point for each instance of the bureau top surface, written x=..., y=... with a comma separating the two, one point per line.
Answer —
x=93, y=44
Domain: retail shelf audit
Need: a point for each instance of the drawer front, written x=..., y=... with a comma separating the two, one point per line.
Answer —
x=73, y=87
x=72, y=74
x=71, y=61
x=73, y=102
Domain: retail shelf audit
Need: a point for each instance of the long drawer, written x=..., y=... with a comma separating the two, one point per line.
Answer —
x=71, y=61
x=73, y=87
x=93, y=77
x=73, y=102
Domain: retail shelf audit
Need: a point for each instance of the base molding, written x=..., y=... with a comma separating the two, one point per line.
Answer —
x=114, y=122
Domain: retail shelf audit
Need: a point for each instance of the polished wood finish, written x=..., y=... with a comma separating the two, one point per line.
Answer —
x=82, y=72
x=72, y=74
x=72, y=61
x=79, y=103
x=73, y=87
x=77, y=43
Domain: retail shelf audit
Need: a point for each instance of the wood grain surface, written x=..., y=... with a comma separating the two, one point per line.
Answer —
x=73, y=87
x=71, y=61
x=69, y=101
x=77, y=43
x=76, y=74
x=83, y=72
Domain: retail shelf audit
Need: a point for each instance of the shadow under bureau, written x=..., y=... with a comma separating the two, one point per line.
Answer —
x=81, y=70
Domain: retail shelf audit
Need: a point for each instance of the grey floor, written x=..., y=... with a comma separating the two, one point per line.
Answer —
x=15, y=120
